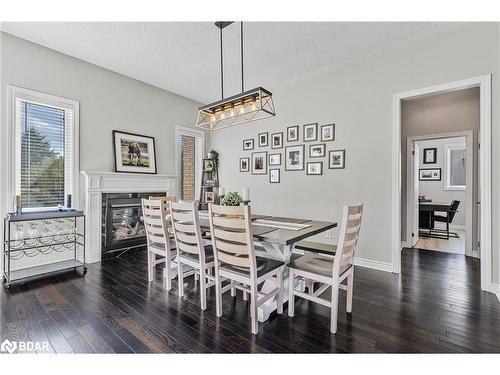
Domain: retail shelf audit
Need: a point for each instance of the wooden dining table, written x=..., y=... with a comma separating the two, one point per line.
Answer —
x=276, y=243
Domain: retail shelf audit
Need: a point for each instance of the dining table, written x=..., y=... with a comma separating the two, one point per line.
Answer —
x=275, y=237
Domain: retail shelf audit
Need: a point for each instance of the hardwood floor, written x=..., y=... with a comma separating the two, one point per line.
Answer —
x=435, y=305
x=453, y=245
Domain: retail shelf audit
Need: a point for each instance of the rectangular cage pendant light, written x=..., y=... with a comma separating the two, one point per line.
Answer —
x=251, y=105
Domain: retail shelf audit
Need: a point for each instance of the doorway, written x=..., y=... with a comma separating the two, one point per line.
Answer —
x=483, y=83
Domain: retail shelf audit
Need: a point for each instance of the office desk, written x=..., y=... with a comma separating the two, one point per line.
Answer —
x=426, y=210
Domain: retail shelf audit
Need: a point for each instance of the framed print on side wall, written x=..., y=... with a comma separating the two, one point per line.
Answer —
x=259, y=162
x=429, y=174
x=311, y=132
x=274, y=176
x=430, y=155
x=294, y=158
x=292, y=133
x=274, y=159
x=314, y=168
x=244, y=164
x=327, y=132
x=134, y=153
x=277, y=140
x=336, y=159
x=263, y=139
x=248, y=144
x=317, y=151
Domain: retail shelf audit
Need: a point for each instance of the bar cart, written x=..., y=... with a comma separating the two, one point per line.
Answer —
x=43, y=233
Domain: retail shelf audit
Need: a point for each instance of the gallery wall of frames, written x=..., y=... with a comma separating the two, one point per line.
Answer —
x=302, y=148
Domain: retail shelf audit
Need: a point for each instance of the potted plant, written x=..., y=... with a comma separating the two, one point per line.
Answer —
x=231, y=199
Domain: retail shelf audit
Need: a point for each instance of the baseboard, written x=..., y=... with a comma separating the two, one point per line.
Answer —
x=373, y=264
x=495, y=288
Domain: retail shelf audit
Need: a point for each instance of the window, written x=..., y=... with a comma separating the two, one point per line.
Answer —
x=455, y=157
x=46, y=169
x=189, y=157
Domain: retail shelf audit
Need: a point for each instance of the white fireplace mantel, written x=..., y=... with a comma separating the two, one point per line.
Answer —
x=97, y=183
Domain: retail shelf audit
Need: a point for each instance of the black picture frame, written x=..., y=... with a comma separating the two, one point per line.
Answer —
x=310, y=139
x=208, y=165
x=294, y=139
x=249, y=147
x=302, y=149
x=263, y=144
x=433, y=159
x=320, y=163
x=431, y=178
x=279, y=175
x=264, y=170
x=247, y=159
x=270, y=155
x=323, y=153
x=328, y=139
x=119, y=167
x=330, y=165
x=280, y=137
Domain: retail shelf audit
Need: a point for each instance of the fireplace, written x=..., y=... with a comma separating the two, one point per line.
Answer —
x=122, y=225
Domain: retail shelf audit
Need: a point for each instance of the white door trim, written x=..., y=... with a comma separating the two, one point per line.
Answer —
x=469, y=204
x=199, y=151
x=484, y=84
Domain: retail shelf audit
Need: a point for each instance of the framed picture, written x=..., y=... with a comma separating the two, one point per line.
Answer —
x=209, y=197
x=134, y=153
x=274, y=176
x=263, y=139
x=430, y=155
x=429, y=174
x=311, y=132
x=294, y=158
x=315, y=168
x=317, y=151
x=259, y=162
x=277, y=140
x=336, y=159
x=274, y=159
x=248, y=144
x=327, y=132
x=244, y=164
x=208, y=165
x=292, y=133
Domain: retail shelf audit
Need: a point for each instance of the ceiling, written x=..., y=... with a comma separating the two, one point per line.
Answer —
x=183, y=57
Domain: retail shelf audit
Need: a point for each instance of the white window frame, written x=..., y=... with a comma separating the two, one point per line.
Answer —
x=447, y=168
x=19, y=93
x=199, y=146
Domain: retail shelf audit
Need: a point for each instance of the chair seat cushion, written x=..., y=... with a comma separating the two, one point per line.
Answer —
x=209, y=255
x=316, y=264
x=264, y=266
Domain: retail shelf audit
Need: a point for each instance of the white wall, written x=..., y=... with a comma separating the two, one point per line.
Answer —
x=358, y=98
x=435, y=190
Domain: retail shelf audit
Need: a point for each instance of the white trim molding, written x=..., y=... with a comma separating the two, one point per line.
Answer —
x=484, y=84
x=97, y=183
x=373, y=264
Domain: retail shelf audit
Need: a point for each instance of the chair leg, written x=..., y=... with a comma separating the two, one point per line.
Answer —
x=350, y=285
x=180, y=279
x=253, y=306
x=218, y=296
x=203, y=289
x=334, y=307
x=245, y=295
x=233, y=291
x=291, y=296
x=196, y=277
x=150, y=266
x=279, y=300
x=168, y=274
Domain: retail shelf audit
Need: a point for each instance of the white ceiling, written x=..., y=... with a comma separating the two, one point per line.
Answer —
x=183, y=57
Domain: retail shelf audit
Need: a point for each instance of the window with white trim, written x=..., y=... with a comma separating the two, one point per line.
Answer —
x=455, y=159
x=45, y=147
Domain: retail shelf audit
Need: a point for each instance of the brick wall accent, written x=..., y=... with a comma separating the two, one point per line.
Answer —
x=188, y=160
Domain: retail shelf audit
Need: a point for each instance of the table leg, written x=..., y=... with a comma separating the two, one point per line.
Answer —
x=447, y=225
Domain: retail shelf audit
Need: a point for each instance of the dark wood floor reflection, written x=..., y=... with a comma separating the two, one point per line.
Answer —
x=435, y=305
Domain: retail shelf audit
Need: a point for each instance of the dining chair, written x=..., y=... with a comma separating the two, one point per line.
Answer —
x=235, y=260
x=328, y=271
x=447, y=219
x=156, y=216
x=192, y=250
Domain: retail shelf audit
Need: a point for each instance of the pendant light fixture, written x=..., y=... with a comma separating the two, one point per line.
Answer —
x=251, y=105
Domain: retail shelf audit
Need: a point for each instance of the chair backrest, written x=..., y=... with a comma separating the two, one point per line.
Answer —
x=232, y=237
x=155, y=213
x=186, y=228
x=348, y=239
x=454, y=206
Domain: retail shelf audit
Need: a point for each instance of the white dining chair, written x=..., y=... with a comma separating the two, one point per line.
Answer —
x=160, y=242
x=192, y=250
x=327, y=271
x=235, y=260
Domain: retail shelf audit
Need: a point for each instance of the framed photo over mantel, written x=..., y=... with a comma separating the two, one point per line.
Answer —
x=134, y=153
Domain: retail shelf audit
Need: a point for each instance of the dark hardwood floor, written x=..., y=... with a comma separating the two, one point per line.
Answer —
x=435, y=306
